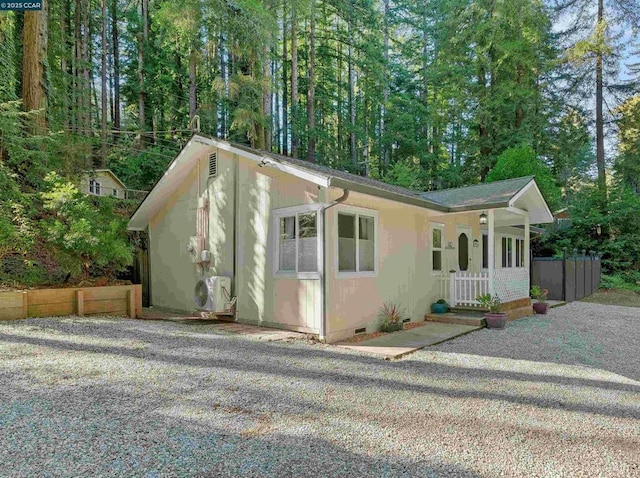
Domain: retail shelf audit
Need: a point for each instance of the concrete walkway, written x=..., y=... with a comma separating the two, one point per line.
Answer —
x=397, y=344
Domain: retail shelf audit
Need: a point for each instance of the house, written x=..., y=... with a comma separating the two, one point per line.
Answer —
x=104, y=182
x=317, y=250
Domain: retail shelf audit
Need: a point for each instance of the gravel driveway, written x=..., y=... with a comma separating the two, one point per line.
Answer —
x=111, y=397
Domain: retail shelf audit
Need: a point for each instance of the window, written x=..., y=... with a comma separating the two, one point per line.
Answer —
x=297, y=242
x=94, y=187
x=485, y=251
x=437, y=233
x=114, y=192
x=513, y=251
x=507, y=251
x=519, y=252
x=356, y=241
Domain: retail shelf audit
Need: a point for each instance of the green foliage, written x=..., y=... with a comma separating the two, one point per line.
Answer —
x=539, y=294
x=522, y=161
x=625, y=280
x=407, y=174
x=390, y=317
x=82, y=229
x=493, y=303
x=613, y=234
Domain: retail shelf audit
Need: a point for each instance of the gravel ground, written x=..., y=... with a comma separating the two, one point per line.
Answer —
x=112, y=397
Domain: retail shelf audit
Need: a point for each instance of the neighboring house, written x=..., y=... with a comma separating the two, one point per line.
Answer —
x=103, y=182
x=317, y=250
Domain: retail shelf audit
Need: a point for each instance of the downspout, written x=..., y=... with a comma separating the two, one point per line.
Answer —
x=236, y=187
x=323, y=279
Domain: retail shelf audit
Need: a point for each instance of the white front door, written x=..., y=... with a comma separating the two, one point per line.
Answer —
x=463, y=247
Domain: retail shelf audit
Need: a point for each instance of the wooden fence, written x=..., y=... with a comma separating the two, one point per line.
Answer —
x=569, y=278
x=124, y=300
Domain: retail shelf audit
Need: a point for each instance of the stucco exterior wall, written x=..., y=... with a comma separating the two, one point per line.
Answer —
x=262, y=297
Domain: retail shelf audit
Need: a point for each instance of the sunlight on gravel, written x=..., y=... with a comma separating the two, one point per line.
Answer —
x=119, y=397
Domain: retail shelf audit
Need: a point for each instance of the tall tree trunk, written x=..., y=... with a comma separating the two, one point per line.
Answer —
x=294, y=80
x=311, y=92
x=86, y=71
x=385, y=91
x=285, y=80
x=66, y=61
x=193, y=99
x=266, y=95
x=225, y=93
x=34, y=40
x=103, y=89
x=600, y=158
x=352, y=101
x=116, y=66
x=143, y=38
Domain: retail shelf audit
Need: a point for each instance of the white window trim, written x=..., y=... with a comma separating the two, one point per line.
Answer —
x=356, y=211
x=277, y=214
x=440, y=226
x=514, y=238
x=95, y=183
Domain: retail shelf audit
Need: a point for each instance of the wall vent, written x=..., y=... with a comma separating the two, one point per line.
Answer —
x=405, y=320
x=213, y=165
x=361, y=330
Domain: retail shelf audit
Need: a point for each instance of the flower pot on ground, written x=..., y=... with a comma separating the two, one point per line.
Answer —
x=540, y=295
x=440, y=306
x=391, y=318
x=495, y=318
x=540, y=307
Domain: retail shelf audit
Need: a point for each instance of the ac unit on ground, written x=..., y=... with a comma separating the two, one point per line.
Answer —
x=213, y=294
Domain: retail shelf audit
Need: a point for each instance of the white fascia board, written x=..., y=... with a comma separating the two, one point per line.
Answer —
x=546, y=211
x=312, y=177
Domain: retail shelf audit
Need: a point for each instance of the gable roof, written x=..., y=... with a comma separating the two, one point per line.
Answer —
x=498, y=194
x=92, y=172
x=479, y=196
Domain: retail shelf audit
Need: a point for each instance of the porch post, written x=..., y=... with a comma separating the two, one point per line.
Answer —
x=492, y=247
x=527, y=249
x=527, y=242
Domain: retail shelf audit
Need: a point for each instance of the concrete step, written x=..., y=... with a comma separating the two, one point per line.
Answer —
x=456, y=318
x=462, y=309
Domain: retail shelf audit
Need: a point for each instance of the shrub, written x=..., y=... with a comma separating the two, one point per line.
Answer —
x=493, y=303
x=390, y=317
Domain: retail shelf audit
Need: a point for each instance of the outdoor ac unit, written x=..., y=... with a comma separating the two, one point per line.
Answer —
x=213, y=294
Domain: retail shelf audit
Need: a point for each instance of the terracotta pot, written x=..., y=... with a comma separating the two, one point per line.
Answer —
x=540, y=307
x=495, y=320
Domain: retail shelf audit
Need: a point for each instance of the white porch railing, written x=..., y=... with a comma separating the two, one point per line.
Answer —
x=463, y=288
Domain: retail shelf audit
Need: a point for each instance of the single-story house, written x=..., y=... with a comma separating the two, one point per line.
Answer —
x=317, y=250
x=104, y=182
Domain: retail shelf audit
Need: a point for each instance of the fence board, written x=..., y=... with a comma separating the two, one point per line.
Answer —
x=579, y=279
x=588, y=281
x=570, y=281
x=548, y=275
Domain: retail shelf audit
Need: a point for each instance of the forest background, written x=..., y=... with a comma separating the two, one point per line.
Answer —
x=428, y=95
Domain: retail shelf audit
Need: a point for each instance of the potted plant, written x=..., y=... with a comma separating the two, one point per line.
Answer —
x=391, y=318
x=440, y=306
x=495, y=318
x=540, y=295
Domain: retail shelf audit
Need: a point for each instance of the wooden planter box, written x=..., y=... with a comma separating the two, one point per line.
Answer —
x=123, y=300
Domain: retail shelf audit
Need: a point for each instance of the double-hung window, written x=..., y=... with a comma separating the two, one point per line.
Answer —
x=512, y=251
x=297, y=242
x=94, y=187
x=437, y=242
x=357, y=248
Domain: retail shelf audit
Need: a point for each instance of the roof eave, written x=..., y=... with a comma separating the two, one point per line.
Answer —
x=384, y=194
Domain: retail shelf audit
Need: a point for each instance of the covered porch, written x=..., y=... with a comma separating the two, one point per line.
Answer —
x=493, y=256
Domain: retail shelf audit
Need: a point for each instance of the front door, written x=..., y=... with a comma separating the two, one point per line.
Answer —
x=464, y=237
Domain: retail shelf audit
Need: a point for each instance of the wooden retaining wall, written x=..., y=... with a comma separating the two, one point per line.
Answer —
x=124, y=300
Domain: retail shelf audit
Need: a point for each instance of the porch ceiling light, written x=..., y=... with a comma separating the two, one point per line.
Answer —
x=483, y=218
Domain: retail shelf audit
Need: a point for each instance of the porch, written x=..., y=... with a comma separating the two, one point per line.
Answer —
x=493, y=258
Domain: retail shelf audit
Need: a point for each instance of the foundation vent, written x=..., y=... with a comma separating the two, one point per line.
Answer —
x=361, y=330
x=405, y=320
x=213, y=165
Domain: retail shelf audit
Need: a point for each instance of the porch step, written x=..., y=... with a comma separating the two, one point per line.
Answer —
x=457, y=318
x=462, y=309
